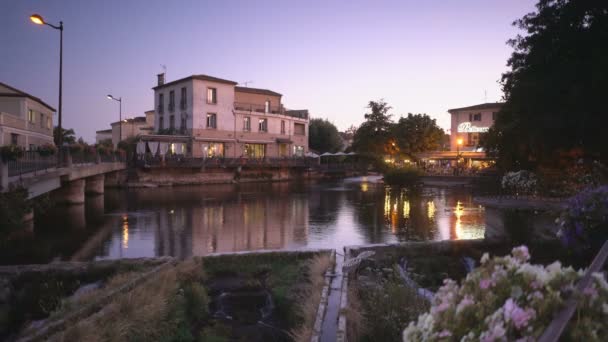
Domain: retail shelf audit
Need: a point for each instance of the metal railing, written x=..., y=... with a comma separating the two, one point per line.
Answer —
x=258, y=108
x=32, y=161
x=35, y=163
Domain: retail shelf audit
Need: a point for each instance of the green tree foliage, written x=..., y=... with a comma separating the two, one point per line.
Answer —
x=323, y=136
x=555, y=90
x=69, y=136
x=373, y=135
x=417, y=133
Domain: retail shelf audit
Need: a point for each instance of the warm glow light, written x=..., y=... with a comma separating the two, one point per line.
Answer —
x=406, y=209
x=459, y=141
x=110, y=97
x=37, y=19
x=364, y=187
x=430, y=210
x=125, y=233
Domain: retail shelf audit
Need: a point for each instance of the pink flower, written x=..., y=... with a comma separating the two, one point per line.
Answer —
x=442, y=307
x=519, y=316
x=484, y=283
x=521, y=253
x=466, y=301
x=444, y=333
x=590, y=291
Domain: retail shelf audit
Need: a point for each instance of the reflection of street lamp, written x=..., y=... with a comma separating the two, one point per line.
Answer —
x=119, y=117
x=38, y=20
x=458, y=143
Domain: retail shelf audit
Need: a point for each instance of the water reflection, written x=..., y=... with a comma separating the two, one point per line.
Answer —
x=185, y=221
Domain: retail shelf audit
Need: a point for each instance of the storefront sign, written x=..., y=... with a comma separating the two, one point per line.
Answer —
x=467, y=127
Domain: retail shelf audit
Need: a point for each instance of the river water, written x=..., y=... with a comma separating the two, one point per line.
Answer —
x=198, y=220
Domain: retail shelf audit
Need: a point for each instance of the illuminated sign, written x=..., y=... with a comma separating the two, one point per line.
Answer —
x=467, y=127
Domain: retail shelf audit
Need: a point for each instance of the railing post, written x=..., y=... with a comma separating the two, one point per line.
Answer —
x=3, y=175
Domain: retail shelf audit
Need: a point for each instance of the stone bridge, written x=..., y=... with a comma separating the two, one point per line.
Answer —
x=68, y=182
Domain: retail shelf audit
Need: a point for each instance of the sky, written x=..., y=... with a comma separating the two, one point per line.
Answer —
x=330, y=57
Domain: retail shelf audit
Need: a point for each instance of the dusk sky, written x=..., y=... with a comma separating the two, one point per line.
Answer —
x=330, y=57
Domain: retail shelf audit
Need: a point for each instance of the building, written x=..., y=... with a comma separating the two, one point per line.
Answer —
x=25, y=120
x=128, y=128
x=469, y=122
x=206, y=116
x=103, y=135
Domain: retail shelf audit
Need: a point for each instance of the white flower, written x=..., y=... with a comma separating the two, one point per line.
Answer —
x=484, y=258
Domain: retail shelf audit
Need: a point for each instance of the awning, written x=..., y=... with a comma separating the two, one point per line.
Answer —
x=213, y=139
x=256, y=141
x=284, y=141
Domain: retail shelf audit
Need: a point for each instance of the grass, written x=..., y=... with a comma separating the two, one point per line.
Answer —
x=173, y=304
x=385, y=310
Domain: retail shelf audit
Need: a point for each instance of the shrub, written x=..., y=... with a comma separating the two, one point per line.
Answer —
x=47, y=150
x=508, y=299
x=520, y=183
x=11, y=152
x=405, y=176
x=585, y=219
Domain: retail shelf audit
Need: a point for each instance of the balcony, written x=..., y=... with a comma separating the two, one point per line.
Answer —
x=258, y=108
x=174, y=131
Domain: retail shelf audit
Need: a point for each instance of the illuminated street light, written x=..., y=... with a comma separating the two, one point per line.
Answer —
x=38, y=20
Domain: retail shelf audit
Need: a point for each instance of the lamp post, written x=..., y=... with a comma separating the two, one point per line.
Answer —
x=37, y=19
x=119, y=117
x=458, y=143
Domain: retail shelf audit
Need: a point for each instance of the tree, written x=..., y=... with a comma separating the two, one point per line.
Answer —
x=556, y=86
x=69, y=136
x=323, y=136
x=417, y=133
x=373, y=135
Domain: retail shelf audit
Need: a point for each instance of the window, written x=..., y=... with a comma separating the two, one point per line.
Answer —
x=41, y=120
x=299, y=129
x=477, y=117
x=282, y=126
x=298, y=151
x=267, y=106
x=161, y=123
x=31, y=116
x=263, y=125
x=211, y=150
x=212, y=95
x=254, y=150
x=247, y=124
x=183, y=122
x=14, y=139
x=211, y=120
x=32, y=147
x=49, y=123
x=161, y=103
x=282, y=150
x=183, y=99
x=171, y=100
x=172, y=122
x=470, y=117
x=494, y=114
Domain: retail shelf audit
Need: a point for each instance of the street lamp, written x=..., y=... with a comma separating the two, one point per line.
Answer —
x=38, y=20
x=119, y=117
x=458, y=144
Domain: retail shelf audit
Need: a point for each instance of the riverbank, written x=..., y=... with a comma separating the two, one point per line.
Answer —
x=279, y=296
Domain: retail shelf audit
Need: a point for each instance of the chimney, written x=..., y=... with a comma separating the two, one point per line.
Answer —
x=161, y=79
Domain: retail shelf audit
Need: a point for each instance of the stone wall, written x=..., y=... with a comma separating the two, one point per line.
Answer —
x=183, y=176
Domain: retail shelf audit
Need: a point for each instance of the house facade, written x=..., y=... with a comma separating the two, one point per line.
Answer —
x=213, y=117
x=469, y=122
x=25, y=120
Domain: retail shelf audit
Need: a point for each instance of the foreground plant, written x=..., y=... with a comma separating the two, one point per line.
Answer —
x=520, y=183
x=508, y=299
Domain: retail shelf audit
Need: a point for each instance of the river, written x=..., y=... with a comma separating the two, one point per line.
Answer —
x=198, y=220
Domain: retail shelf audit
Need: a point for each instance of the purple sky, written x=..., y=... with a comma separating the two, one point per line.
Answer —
x=331, y=57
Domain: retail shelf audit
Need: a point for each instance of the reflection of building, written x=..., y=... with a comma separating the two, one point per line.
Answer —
x=214, y=117
x=469, y=122
x=25, y=120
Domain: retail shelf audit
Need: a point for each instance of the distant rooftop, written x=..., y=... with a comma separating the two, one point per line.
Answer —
x=482, y=106
x=19, y=93
x=256, y=91
x=136, y=119
x=104, y=131
x=197, y=77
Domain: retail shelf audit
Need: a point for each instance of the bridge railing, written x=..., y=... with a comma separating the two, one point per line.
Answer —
x=35, y=162
x=32, y=161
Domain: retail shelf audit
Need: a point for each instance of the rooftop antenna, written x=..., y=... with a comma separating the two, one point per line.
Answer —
x=164, y=69
x=246, y=83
